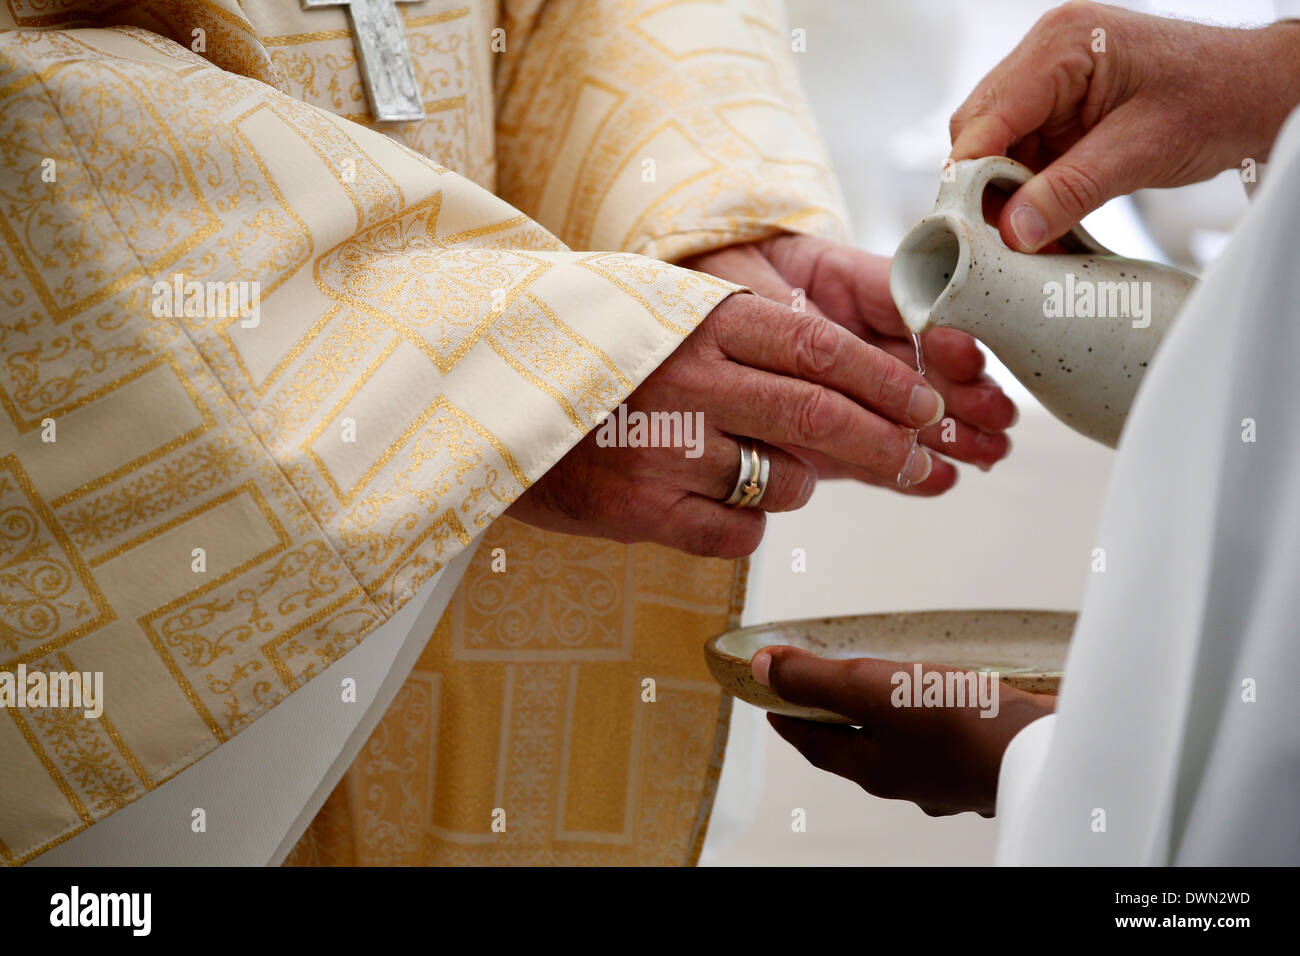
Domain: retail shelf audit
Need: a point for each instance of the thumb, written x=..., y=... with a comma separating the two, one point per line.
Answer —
x=855, y=688
x=1105, y=163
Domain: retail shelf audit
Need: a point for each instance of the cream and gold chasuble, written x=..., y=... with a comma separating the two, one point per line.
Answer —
x=229, y=505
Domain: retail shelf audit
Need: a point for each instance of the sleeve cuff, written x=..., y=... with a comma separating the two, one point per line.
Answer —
x=1017, y=780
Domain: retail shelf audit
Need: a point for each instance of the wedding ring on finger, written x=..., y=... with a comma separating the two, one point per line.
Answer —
x=751, y=483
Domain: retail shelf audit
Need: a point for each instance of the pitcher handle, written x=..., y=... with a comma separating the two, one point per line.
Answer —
x=963, y=193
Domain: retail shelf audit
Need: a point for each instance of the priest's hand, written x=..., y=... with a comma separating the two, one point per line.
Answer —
x=944, y=759
x=753, y=369
x=1103, y=101
x=851, y=288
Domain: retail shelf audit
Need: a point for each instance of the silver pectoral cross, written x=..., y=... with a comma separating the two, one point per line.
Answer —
x=385, y=62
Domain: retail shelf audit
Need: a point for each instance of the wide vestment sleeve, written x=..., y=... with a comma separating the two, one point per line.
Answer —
x=666, y=129
x=263, y=372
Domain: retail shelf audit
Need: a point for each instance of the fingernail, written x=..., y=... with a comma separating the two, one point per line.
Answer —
x=925, y=406
x=759, y=667
x=1029, y=226
x=917, y=468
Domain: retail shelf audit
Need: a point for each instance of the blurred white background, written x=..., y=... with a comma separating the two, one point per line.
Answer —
x=883, y=76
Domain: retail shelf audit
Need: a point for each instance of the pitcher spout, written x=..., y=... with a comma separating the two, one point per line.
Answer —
x=929, y=266
x=1078, y=326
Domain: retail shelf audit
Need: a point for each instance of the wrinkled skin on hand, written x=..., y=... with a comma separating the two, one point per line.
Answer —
x=851, y=288
x=830, y=391
x=1101, y=101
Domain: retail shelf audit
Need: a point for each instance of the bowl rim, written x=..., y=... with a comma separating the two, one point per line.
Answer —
x=711, y=645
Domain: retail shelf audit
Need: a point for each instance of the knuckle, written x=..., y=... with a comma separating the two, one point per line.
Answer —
x=890, y=380
x=955, y=123
x=817, y=347
x=1075, y=189
x=713, y=329
x=1063, y=15
x=814, y=418
x=859, y=673
x=791, y=485
x=723, y=312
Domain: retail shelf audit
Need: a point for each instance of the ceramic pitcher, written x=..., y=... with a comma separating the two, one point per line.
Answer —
x=1078, y=328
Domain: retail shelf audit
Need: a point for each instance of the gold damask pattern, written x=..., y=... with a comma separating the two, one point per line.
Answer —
x=566, y=751
x=316, y=62
x=47, y=595
x=663, y=127
x=444, y=307
x=210, y=510
x=541, y=347
x=528, y=697
x=558, y=594
x=85, y=758
x=457, y=344
x=218, y=26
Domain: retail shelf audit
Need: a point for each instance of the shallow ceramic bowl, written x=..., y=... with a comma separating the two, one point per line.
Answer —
x=1026, y=648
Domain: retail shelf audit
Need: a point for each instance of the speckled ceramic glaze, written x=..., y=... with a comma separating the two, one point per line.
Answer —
x=953, y=269
x=1026, y=648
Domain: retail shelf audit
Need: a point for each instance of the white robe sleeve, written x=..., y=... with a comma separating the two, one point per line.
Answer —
x=1177, y=735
